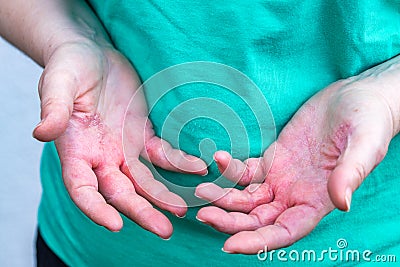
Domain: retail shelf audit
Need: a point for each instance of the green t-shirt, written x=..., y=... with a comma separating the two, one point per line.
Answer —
x=290, y=50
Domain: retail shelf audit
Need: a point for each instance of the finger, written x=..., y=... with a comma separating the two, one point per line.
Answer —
x=153, y=190
x=81, y=184
x=243, y=173
x=119, y=192
x=357, y=161
x=291, y=225
x=162, y=154
x=57, y=97
x=233, y=199
x=234, y=222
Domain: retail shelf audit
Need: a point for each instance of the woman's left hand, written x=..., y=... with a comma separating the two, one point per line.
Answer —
x=319, y=159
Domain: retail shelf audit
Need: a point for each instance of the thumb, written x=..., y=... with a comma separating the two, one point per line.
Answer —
x=362, y=154
x=56, y=92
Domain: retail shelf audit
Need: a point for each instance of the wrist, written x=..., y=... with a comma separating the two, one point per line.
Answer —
x=383, y=80
x=39, y=27
x=74, y=35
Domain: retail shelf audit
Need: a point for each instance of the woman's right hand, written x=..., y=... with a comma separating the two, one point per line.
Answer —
x=85, y=90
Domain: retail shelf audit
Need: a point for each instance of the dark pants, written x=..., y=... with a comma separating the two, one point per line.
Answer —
x=45, y=257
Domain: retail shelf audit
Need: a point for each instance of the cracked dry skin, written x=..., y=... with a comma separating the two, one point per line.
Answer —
x=88, y=122
x=329, y=137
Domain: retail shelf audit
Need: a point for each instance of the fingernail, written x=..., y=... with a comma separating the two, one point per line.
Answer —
x=348, y=193
x=205, y=173
x=226, y=251
x=111, y=230
x=181, y=217
x=39, y=124
x=253, y=187
x=200, y=220
x=165, y=239
x=196, y=195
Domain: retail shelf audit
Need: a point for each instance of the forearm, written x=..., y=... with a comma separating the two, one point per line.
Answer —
x=38, y=27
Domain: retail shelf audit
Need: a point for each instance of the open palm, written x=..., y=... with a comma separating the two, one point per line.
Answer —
x=85, y=90
x=321, y=156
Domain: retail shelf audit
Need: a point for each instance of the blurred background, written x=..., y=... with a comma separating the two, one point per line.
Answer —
x=19, y=157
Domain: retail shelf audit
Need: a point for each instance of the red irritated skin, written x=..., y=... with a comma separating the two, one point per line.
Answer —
x=85, y=90
x=319, y=159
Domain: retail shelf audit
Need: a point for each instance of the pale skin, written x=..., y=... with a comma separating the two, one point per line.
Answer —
x=321, y=156
x=85, y=89
x=319, y=159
